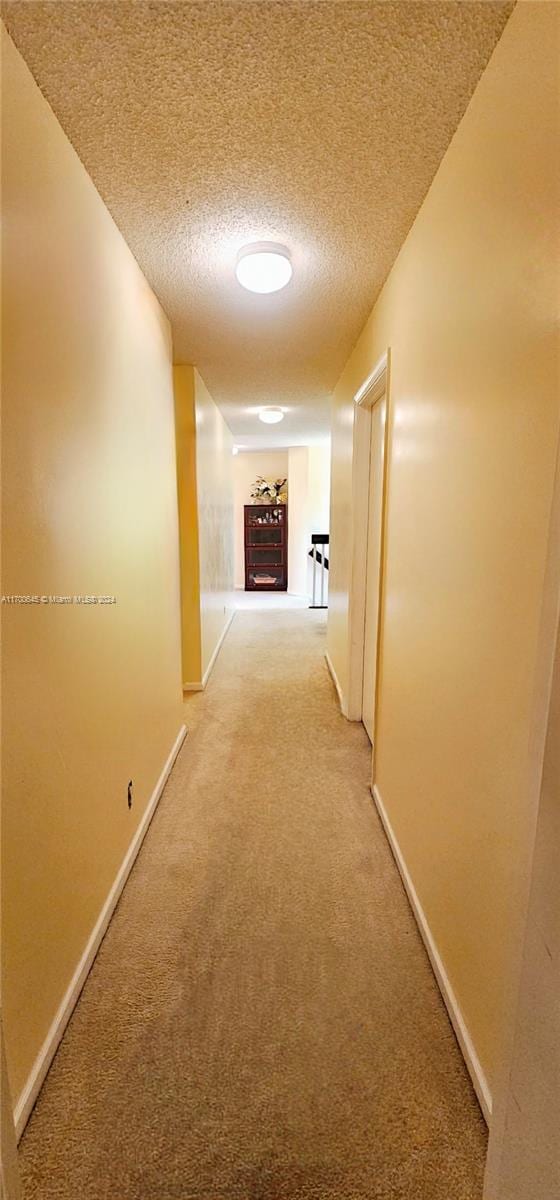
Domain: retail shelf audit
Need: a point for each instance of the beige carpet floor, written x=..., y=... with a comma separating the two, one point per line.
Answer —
x=261, y=1022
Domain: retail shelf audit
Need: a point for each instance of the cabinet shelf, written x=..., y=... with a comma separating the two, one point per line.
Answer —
x=266, y=547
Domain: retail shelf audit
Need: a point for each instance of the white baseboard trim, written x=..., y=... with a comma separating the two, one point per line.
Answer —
x=339, y=692
x=39, y=1070
x=217, y=648
x=199, y=687
x=479, y=1080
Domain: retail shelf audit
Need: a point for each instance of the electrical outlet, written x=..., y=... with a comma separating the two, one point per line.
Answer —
x=130, y=794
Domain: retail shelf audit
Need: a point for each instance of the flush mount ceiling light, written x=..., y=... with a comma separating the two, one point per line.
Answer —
x=263, y=267
x=271, y=416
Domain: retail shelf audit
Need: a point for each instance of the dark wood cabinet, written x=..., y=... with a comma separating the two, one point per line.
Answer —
x=266, y=547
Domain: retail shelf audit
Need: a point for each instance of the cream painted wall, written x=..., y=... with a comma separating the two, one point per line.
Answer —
x=91, y=693
x=524, y=1147
x=214, y=476
x=205, y=494
x=469, y=312
x=309, y=484
x=319, y=507
x=298, y=527
x=271, y=464
x=319, y=488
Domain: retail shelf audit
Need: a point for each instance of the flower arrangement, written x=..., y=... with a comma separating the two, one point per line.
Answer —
x=265, y=491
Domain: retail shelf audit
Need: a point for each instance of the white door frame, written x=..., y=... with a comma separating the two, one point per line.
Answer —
x=373, y=388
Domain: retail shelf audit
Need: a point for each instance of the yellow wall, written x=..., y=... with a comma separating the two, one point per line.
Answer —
x=524, y=1160
x=298, y=519
x=92, y=693
x=524, y=1148
x=309, y=489
x=319, y=488
x=205, y=487
x=468, y=311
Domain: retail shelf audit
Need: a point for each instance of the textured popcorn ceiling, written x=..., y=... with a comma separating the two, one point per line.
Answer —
x=208, y=125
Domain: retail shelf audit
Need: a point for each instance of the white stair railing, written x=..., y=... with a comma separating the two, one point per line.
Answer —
x=319, y=543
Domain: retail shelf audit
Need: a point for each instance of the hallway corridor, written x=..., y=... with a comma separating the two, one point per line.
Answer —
x=261, y=1022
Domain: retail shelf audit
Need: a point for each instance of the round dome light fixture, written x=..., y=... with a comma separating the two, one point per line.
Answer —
x=263, y=267
x=271, y=416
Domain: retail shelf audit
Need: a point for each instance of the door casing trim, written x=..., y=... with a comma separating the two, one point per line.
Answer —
x=376, y=385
